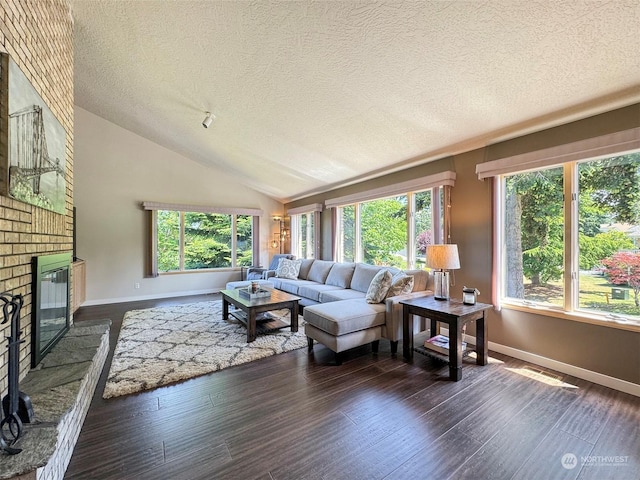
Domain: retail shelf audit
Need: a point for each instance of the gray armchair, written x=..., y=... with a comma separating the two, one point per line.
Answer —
x=257, y=273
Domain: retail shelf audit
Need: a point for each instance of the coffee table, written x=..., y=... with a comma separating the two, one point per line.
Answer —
x=251, y=311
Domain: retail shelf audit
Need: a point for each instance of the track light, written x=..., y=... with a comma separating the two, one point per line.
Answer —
x=208, y=120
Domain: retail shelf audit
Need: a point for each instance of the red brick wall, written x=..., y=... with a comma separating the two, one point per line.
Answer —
x=38, y=35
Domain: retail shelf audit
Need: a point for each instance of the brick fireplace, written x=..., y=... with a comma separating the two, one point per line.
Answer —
x=38, y=36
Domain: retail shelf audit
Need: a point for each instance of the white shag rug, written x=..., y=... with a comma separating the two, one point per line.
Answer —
x=163, y=345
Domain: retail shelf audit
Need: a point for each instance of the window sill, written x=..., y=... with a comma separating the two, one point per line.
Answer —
x=202, y=270
x=581, y=317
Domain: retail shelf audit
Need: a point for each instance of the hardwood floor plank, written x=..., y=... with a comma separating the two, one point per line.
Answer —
x=507, y=450
x=546, y=460
x=386, y=453
x=436, y=459
x=616, y=454
x=430, y=391
x=589, y=416
x=298, y=416
x=184, y=468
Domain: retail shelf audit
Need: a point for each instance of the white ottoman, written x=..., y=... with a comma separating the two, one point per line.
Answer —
x=344, y=324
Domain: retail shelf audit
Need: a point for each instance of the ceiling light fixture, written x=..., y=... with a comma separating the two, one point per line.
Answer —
x=208, y=120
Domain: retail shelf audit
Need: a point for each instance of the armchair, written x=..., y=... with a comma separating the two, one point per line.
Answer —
x=257, y=273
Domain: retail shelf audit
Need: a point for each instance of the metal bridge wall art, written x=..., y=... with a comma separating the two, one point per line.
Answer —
x=35, y=140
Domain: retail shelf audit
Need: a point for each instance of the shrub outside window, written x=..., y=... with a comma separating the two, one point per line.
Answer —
x=195, y=240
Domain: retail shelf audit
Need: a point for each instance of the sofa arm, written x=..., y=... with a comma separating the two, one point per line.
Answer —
x=255, y=273
x=269, y=273
x=393, y=320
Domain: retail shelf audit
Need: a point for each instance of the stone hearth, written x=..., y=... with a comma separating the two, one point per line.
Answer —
x=60, y=388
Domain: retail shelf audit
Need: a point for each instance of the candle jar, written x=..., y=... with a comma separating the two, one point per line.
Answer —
x=469, y=295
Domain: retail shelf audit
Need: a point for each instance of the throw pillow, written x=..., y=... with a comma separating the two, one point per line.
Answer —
x=288, y=268
x=401, y=283
x=379, y=286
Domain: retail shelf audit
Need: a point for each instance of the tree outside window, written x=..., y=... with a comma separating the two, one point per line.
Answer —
x=195, y=240
x=537, y=215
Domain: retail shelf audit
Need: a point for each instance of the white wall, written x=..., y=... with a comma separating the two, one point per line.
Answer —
x=114, y=171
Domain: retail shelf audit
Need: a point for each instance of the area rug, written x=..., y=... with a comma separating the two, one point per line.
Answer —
x=163, y=345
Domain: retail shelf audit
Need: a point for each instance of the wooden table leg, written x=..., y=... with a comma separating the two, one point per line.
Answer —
x=225, y=308
x=407, y=334
x=294, y=317
x=455, y=352
x=481, y=340
x=251, y=325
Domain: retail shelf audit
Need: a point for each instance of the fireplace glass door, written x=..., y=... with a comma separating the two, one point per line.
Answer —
x=52, y=309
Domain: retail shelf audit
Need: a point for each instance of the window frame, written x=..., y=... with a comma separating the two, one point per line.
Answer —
x=295, y=214
x=568, y=156
x=437, y=219
x=154, y=207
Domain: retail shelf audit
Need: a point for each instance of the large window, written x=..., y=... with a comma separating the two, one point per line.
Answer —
x=571, y=237
x=392, y=231
x=305, y=230
x=187, y=240
x=195, y=241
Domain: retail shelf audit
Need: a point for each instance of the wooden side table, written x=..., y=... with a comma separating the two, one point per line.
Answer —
x=455, y=314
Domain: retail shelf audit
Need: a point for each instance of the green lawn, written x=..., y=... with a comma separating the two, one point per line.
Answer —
x=595, y=294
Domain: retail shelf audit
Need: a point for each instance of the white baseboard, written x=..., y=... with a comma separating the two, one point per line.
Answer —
x=590, y=376
x=595, y=377
x=104, y=301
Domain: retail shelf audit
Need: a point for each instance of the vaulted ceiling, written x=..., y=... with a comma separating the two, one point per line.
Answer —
x=311, y=95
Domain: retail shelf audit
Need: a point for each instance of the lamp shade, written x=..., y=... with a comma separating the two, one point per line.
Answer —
x=443, y=256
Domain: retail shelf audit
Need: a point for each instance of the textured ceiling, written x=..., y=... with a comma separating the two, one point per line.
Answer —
x=313, y=95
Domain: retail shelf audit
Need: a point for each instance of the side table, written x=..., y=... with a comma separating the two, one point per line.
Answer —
x=455, y=314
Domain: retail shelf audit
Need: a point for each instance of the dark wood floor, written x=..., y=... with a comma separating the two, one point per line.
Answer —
x=298, y=416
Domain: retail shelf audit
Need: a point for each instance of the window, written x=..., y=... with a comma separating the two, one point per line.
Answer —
x=195, y=241
x=392, y=225
x=347, y=233
x=570, y=237
x=392, y=231
x=187, y=238
x=305, y=230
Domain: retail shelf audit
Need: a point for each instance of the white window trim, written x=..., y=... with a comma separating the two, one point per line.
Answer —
x=314, y=207
x=418, y=184
x=177, y=207
x=154, y=207
x=618, y=143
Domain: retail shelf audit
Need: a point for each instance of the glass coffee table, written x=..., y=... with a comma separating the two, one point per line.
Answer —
x=251, y=311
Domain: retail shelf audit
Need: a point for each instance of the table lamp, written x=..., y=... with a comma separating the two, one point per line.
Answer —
x=441, y=258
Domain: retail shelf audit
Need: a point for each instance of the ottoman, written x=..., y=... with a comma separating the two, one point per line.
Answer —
x=344, y=324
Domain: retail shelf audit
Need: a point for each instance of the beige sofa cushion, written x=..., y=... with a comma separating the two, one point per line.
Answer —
x=340, y=294
x=314, y=291
x=341, y=274
x=420, y=279
x=340, y=318
x=305, y=266
x=362, y=276
x=320, y=270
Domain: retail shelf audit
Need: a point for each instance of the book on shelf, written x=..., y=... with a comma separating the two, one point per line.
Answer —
x=440, y=344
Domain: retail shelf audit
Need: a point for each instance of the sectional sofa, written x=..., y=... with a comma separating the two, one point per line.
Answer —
x=334, y=297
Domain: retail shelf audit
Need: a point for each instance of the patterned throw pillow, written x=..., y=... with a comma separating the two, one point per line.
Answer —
x=288, y=268
x=379, y=286
x=401, y=283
